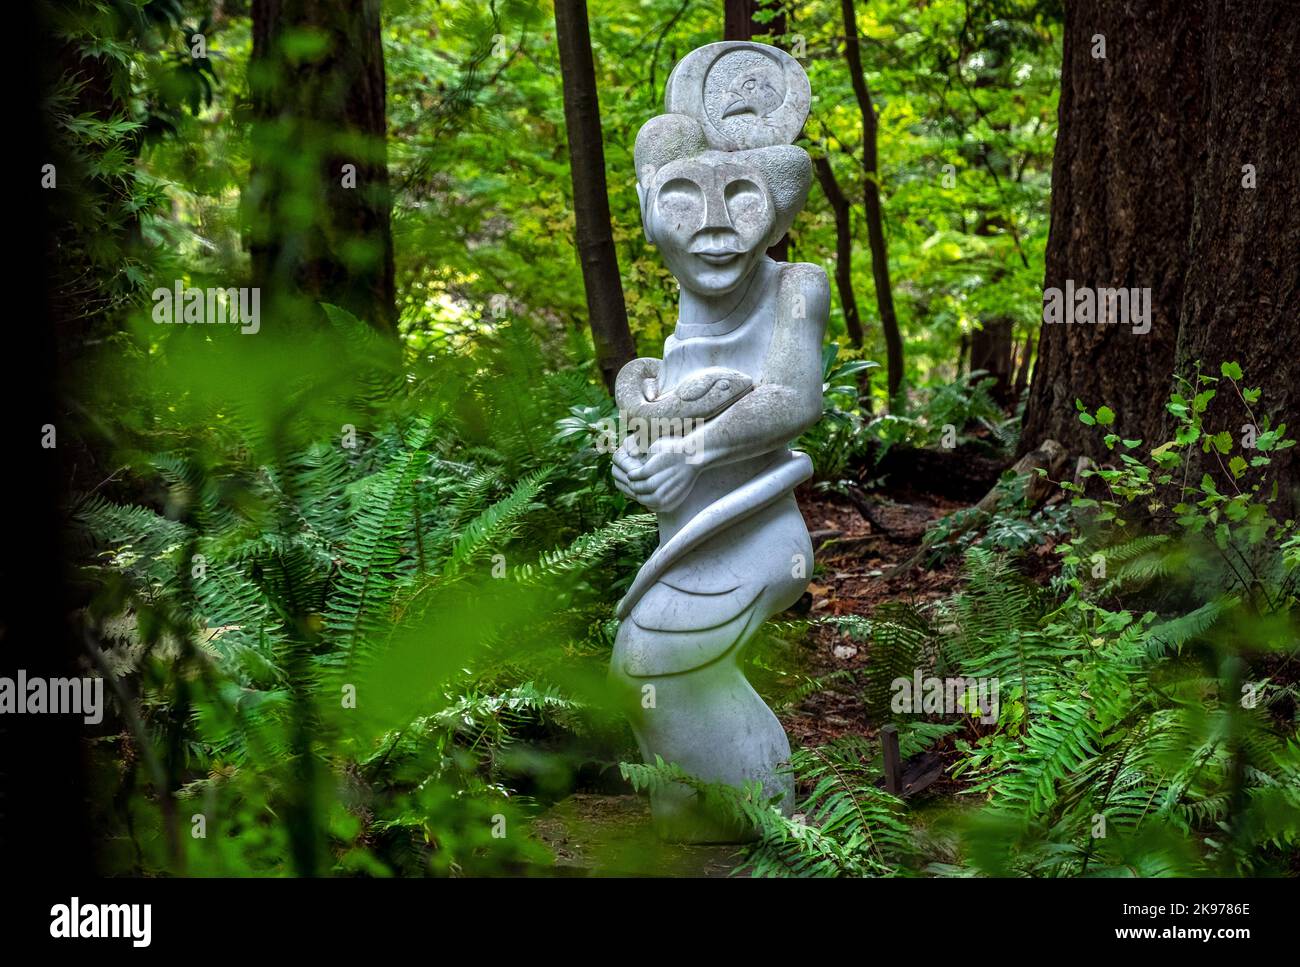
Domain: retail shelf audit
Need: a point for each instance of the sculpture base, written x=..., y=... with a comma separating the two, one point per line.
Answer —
x=712, y=724
x=681, y=815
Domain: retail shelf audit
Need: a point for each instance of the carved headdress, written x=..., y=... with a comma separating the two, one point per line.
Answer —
x=733, y=101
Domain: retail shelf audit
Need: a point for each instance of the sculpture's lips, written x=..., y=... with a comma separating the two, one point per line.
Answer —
x=718, y=256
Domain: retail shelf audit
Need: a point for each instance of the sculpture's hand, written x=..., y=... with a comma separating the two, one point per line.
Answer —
x=624, y=463
x=661, y=480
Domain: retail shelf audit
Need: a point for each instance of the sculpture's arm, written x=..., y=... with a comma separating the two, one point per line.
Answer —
x=788, y=399
x=786, y=402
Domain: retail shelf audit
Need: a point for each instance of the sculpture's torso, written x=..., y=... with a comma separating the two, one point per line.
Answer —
x=738, y=342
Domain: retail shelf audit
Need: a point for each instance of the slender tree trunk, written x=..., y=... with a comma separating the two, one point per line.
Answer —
x=991, y=350
x=871, y=204
x=739, y=23
x=605, y=307
x=319, y=205
x=1022, y=370
x=1129, y=142
x=843, y=248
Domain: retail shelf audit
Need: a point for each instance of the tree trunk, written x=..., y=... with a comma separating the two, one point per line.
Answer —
x=319, y=202
x=738, y=23
x=871, y=204
x=1129, y=140
x=605, y=307
x=1022, y=370
x=843, y=248
x=990, y=350
x=1149, y=189
x=1241, y=296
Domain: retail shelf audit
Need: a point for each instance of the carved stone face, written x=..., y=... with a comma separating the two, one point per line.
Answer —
x=711, y=219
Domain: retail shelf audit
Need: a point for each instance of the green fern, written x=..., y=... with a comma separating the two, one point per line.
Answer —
x=588, y=548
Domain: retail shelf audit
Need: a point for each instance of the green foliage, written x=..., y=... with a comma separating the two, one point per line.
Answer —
x=840, y=436
x=1157, y=740
x=849, y=828
x=949, y=415
x=357, y=592
x=337, y=643
x=1013, y=525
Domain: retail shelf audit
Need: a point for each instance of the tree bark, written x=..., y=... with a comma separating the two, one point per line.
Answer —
x=1129, y=141
x=317, y=229
x=607, y=313
x=843, y=248
x=1148, y=190
x=990, y=350
x=871, y=205
x=1022, y=369
x=1241, y=295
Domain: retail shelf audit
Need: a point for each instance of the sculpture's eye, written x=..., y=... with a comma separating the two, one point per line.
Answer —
x=747, y=206
x=681, y=201
x=749, y=84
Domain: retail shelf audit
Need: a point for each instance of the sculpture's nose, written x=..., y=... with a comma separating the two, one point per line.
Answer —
x=716, y=216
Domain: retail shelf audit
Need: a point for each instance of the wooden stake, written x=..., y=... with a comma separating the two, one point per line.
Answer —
x=893, y=763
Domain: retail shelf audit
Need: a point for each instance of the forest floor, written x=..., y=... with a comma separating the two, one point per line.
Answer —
x=855, y=560
x=593, y=834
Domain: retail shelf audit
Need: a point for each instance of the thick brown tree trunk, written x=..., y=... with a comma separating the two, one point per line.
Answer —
x=1241, y=294
x=606, y=310
x=871, y=205
x=1129, y=143
x=1150, y=189
x=319, y=205
x=747, y=19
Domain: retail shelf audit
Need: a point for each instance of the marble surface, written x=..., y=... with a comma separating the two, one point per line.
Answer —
x=740, y=379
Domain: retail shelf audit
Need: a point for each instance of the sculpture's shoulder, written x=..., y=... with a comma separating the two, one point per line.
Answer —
x=804, y=286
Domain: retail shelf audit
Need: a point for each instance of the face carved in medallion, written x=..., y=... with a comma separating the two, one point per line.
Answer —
x=759, y=91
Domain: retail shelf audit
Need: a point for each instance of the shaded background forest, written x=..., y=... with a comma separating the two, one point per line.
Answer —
x=391, y=487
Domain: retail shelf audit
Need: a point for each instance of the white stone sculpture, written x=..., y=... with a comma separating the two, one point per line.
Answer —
x=740, y=379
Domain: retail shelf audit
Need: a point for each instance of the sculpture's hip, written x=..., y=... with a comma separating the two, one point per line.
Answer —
x=676, y=663
x=722, y=502
x=713, y=597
